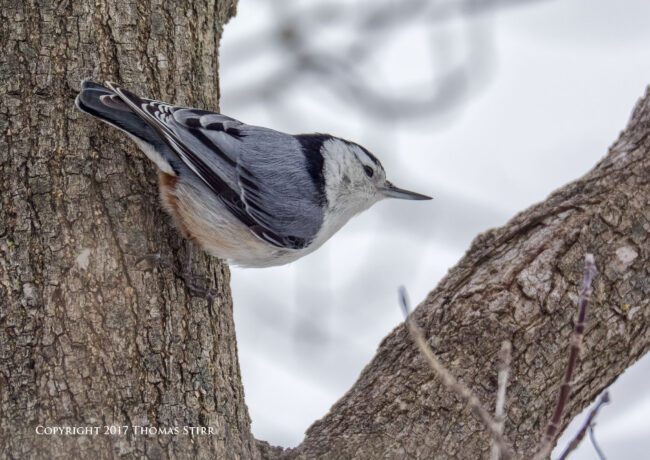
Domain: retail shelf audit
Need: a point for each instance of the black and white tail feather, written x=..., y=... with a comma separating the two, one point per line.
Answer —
x=107, y=106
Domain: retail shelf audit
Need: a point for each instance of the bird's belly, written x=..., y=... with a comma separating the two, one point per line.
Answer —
x=207, y=222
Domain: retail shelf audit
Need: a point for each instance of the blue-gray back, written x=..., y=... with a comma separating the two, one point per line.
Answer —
x=262, y=176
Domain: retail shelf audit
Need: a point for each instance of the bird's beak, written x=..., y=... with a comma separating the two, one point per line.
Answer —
x=390, y=191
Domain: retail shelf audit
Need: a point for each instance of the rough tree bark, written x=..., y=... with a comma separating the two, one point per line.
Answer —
x=87, y=339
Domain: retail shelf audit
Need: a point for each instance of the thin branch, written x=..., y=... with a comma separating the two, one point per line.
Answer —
x=592, y=437
x=502, y=377
x=546, y=445
x=451, y=383
x=575, y=442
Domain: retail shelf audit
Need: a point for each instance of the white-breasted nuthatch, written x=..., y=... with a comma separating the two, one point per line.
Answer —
x=251, y=195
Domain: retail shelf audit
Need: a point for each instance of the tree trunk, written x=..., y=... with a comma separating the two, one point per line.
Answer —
x=519, y=282
x=87, y=339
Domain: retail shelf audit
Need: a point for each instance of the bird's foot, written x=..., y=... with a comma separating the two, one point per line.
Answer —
x=195, y=284
x=155, y=259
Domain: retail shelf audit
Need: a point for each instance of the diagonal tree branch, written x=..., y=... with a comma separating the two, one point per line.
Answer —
x=515, y=283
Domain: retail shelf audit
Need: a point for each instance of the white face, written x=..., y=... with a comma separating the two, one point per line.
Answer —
x=354, y=181
x=354, y=178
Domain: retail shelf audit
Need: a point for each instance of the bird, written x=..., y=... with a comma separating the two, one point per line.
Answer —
x=250, y=195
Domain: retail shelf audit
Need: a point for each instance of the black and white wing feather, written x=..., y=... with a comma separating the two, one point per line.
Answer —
x=265, y=178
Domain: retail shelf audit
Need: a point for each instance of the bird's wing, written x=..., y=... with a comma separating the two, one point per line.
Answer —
x=260, y=175
x=280, y=184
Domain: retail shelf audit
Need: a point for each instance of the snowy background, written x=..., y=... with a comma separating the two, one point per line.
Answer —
x=522, y=99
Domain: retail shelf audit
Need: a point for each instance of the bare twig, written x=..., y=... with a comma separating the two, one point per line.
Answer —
x=604, y=399
x=592, y=437
x=553, y=426
x=452, y=384
x=502, y=377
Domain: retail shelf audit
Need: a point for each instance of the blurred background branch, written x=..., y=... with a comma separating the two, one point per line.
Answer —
x=337, y=46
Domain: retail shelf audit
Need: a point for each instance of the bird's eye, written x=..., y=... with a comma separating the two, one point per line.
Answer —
x=369, y=171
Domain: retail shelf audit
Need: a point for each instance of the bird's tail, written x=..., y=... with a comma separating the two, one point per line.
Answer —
x=103, y=103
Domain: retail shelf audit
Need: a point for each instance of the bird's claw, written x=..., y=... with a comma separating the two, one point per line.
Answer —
x=155, y=259
x=196, y=289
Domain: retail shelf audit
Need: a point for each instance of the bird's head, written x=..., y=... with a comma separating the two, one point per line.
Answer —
x=355, y=178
